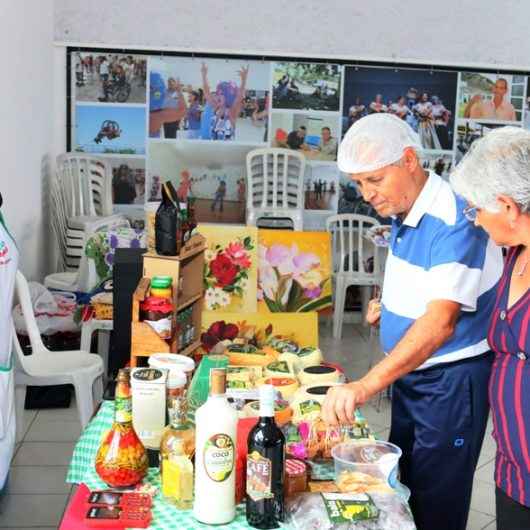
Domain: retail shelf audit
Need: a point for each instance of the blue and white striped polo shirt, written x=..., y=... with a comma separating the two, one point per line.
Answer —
x=435, y=253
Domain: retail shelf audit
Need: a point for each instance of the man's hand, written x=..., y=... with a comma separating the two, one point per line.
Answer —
x=341, y=401
x=373, y=313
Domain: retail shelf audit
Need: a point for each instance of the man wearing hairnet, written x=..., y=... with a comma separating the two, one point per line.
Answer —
x=437, y=295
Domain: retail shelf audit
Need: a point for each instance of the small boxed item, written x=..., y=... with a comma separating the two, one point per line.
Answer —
x=149, y=404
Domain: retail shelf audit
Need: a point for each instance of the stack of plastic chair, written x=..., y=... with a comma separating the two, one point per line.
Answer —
x=350, y=252
x=44, y=367
x=81, y=196
x=275, y=187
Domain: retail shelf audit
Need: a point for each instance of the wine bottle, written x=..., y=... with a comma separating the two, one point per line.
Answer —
x=216, y=429
x=265, y=467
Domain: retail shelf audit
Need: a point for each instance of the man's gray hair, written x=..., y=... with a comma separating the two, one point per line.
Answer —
x=498, y=164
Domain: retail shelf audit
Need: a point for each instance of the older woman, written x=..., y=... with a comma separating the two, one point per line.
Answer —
x=494, y=177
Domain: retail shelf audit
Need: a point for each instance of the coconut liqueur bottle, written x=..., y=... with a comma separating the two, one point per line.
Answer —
x=215, y=448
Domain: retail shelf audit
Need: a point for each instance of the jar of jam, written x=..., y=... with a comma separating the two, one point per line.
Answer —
x=295, y=477
x=158, y=313
x=161, y=286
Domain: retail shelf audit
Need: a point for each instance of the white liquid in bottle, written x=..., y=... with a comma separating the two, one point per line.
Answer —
x=215, y=455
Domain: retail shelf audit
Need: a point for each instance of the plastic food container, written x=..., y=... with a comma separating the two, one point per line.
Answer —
x=173, y=361
x=374, y=458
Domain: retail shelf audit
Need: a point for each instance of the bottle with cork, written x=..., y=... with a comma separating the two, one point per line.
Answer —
x=216, y=431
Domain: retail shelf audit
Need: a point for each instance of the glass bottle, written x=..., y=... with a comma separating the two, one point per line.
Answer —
x=177, y=448
x=121, y=459
x=265, y=467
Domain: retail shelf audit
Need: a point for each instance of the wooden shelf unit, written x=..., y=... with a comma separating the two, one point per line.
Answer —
x=186, y=271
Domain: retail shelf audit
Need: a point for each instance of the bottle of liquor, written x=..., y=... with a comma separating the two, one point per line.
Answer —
x=265, y=467
x=121, y=459
x=177, y=448
x=216, y=429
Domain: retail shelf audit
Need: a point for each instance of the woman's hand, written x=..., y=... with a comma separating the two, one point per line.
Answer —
x=373, y=313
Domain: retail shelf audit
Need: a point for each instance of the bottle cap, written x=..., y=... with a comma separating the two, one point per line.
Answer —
x=161, y=282
x=267, y=395
x=217, y=381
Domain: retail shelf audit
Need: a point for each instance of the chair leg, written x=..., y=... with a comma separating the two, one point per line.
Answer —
x=20, y=399
x=86, y=336
x=103, y=348
x=85, y=398
x=98, y=389
x=338, y=313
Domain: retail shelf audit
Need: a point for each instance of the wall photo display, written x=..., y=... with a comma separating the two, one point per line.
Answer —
x=193, y=120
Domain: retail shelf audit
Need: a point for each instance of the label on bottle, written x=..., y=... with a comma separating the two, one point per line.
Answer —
x=348, y=507
x=162, y=327
x=218, y=457
x=123, y=408
x=259, y=471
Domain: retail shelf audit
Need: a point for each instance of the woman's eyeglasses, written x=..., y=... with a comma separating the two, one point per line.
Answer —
x=470, y=213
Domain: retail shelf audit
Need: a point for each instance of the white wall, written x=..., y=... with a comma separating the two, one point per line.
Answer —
x=455, y=32
x=26, y=96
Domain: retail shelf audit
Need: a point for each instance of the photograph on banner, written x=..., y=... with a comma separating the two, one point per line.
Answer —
x=109, y=129
x=440, y=162
x=314, y=135
x=294, y=271
x=526, y=116
x=490, y=96
x=128, y=180
x=230, y=268
x=209, y=99
x=109, y=77
x=467, y=131
x=213, y=174
x=321, y=187
x=425, y=99
x=306, y=86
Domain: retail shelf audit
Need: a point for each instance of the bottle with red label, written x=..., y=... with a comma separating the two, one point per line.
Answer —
x=265, y=467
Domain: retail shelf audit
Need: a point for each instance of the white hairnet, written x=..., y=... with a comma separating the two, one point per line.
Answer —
x=375, y=141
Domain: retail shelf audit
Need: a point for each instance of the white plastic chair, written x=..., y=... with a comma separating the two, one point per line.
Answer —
x=350, y=252
x=44, y=367
x=82, y=203
x=275, y=186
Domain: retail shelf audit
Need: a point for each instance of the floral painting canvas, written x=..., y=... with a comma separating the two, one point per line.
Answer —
x=294, y=271
x=230, y=271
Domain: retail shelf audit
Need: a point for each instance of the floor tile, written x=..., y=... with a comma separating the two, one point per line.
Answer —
x=29, y=416
x=483, y=497
x=38, y=480
x=486, y=473
x=44, y=454
x=69, y=414
x=44, y=430
x=32, y=510
x=478, y=520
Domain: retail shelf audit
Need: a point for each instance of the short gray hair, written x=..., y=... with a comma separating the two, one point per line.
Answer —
x=497, y=164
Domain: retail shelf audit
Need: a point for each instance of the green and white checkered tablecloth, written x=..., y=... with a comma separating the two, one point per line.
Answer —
x=165, y=516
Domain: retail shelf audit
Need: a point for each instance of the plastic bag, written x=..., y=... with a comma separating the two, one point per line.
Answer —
x=54, y=312
x=166, y=223
x=309, y=511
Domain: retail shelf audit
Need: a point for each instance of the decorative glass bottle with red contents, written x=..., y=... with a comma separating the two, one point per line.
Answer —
x=121, y=459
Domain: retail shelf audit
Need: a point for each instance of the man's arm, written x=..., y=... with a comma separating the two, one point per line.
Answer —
x=476, y=99
x=425, y=336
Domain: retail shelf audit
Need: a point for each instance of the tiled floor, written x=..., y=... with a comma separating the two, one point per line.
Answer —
x=37, y=494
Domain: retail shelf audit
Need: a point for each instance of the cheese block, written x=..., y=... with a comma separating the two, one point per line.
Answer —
x=292, y=360
x=283, y=345
x=309, y=356
x=287, y=386
x=279, y=368
x=249, y=355
x=256, y=372
x=282, y=411
x=318, y=375
x=239, y=377
x=307, y=402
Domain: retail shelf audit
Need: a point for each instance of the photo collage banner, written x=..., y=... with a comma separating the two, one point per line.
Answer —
x=194, y=120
